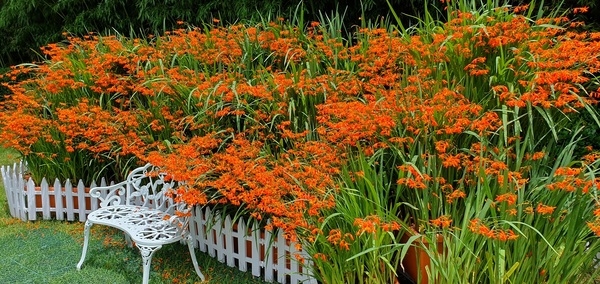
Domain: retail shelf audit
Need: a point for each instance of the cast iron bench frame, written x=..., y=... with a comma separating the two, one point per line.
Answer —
x=140, y=208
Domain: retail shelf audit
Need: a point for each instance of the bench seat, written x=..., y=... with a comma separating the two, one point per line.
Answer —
x=144, y=226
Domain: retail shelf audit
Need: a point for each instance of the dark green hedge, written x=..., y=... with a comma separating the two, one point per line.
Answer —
x=25, y=25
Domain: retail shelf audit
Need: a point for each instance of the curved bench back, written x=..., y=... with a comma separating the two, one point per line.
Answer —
x=145, y=186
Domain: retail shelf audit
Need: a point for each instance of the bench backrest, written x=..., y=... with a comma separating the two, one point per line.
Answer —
x=145, y=186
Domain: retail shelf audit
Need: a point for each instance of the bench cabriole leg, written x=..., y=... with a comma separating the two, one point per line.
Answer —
x=86, y=239
x=128, y=240
x=189, y=241
x=147, y=253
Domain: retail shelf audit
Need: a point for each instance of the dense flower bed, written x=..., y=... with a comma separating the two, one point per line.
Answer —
x=464, y=129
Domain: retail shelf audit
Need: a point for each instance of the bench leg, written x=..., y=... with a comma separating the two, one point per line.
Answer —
x=147, y=253
x=86, y=239
x=189, y=240
x=128, y=240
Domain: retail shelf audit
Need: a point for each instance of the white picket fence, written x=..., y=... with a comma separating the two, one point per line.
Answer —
x=247, y=248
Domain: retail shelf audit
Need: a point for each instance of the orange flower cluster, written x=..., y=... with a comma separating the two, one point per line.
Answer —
x=372, y=224
x=478, y=227
x=442, y=222
x=572, y=179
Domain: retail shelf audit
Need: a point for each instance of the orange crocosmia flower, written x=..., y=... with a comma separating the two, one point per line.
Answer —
x=443, y=221
x=538, y=155
x=520, y=8
x=320, y=256
x=441, y=146
x=476, y=226
x=451, y=161
x=454, y=195
x=580, y=10
x=506, y=235
x=568, y=171
x=545, y=209
x=367, y=225
x=390, y=227
x=595, y=226
x=509, y=198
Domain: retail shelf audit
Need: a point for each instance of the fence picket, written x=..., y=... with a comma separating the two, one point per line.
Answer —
x=81, y=200
x=218, y=229
x=31, y=206
x=11, y=178
x=20, y=195
x=268, y=256
x=199, y=221
x=228, y=250
x=69, y=197
x=58, y=200
x=211, y=235
x=255, y=257
x=95, y=201
x=44, y=194
x=193, y=229
x=242, y=249
x=282, y=257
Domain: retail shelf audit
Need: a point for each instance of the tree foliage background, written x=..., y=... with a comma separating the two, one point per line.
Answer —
x=25, y=25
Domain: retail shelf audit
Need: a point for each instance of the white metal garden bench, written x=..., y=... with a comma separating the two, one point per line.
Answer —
x=139, y=207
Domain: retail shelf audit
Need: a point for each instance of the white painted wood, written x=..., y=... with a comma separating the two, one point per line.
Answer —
x=242, y=231
x=69, y=197
x=45, y=196
x=220, y=244
x=94, y=201
x=268, y=260
x=81, y=200
x=20, y=194
x=31, y=205
x=228, y=250
x=58, y=200
x=282, y=257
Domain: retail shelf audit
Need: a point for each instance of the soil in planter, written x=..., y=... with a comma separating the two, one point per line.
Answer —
x=52, y=198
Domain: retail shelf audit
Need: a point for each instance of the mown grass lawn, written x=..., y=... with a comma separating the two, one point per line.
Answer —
x=47, y=252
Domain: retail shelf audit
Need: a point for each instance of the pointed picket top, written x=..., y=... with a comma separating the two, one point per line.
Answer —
x=81, y=201
x=69, y=197
x=31, y=205
x=58, y=200
x=44, y=193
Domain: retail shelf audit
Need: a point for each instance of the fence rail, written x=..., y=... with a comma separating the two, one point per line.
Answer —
x=249, y=248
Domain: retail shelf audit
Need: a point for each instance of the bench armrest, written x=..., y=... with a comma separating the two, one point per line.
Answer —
x=110, y=195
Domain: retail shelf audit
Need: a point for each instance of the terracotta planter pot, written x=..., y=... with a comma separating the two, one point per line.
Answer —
x=417, y=260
